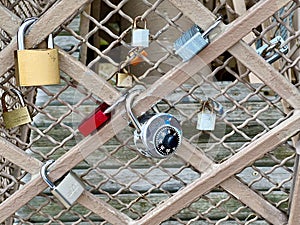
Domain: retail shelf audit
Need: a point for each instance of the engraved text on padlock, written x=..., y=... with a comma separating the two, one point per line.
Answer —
x=15, y=117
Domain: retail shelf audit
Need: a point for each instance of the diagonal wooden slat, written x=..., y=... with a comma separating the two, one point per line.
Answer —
x=158, y=90
x=18, y=157
x=241, y=191
x=88, y=78
x=103, y=209
x=230, y=40
x=223, y=171
x=30, y=164
x=54, y=17
x=294, y=217
x=9, y=22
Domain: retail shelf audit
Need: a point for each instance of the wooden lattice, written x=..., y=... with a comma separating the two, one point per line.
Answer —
x=244, y=172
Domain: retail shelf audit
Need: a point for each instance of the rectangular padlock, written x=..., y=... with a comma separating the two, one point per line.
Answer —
x=190, y=43
x=140, y=37
x=100, y=115
x=36, y=67
x=137, y=59
x=124, y=80
x=206, y=121
x=15, y=117
x=68, y=190
x=94, y=120
x=193, y=41
x=206, y=117
x=268, y=51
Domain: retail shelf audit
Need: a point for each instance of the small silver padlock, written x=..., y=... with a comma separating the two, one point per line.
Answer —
x=69, y=189
x=206, y=117
x=193, y=41
x=140, y=37
x=268, y=51
x=158, y=136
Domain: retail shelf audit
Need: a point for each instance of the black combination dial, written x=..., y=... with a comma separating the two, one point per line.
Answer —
x=167, y=139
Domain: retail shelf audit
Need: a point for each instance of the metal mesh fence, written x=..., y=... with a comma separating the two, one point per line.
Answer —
x=99, y=36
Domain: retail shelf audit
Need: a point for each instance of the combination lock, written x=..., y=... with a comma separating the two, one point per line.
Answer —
x=157, y=136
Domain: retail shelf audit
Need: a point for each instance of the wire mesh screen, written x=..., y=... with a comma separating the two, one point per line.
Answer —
x=115, y=174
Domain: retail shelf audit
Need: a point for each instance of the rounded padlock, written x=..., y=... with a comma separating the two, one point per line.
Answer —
x=69, y=189
x=140, y=37
x=35, y=67
x=15, y=117
x=158, y=136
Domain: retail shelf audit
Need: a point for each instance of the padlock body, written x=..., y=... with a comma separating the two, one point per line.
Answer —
x=69, y=190
x=206, y=121
x=149, y=139
x=16, y=117
x=94, y=120
x=37, y=67
x=190, y=43
x=137, y=60
x=273, y=56
x=140, y=38
x=123, y=80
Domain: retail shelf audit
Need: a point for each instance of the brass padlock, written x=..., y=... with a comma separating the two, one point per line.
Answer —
x=124, y=78
x=15, y=117
x=69, y=189
x=35, y=67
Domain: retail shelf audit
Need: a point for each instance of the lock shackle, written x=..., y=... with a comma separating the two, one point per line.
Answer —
x=134, y=120
x=15, y=91
x=125, y=68
x=212, y=27
x=22, y=30
x=136, y=19
x=270, y=48
x=206, y=104
x=44, y=175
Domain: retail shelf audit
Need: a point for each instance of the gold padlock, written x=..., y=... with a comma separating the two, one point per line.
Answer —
x=35, y=67
x=15, y=117
x=124, y=79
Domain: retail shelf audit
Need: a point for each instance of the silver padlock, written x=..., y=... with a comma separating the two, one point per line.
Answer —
x=269, y=53
x=140, y=37
x=69, y=189
x=206, y=117
x=158, y=136
x=193, y=41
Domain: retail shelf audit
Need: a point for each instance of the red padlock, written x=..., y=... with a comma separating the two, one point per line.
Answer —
x=100, y=115
x=94, y=120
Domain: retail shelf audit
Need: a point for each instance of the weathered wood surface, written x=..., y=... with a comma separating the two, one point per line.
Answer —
x=143, y=207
